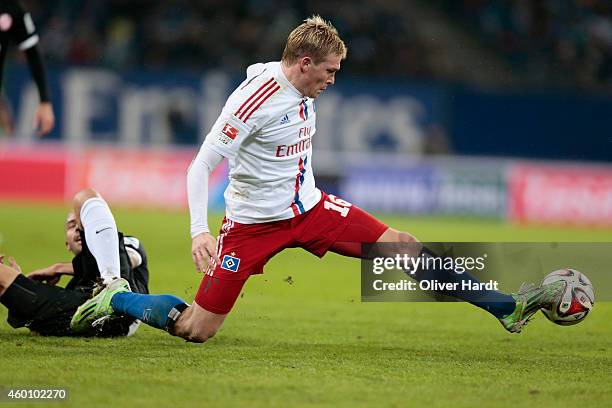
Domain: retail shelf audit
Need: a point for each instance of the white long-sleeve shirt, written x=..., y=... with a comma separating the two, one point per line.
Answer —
x=265, y=130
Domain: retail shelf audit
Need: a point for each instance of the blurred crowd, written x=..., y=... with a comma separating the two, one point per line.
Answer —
x=224, y=34
x=561, y=42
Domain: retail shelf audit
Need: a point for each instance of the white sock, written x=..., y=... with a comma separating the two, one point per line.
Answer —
x=101, y=236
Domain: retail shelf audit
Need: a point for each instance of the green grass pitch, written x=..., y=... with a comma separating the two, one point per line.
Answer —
x=311, y=342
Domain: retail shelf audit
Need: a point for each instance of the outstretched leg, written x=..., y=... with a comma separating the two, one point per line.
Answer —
x=42, y=308
x=513, y=311
x=96, y=220
x=497, y=303
x=196, y=323
x=361, y=227
x=165, y=312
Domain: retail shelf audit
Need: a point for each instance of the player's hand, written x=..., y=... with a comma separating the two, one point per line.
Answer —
x=49, y=275
x=44, y=119
x=11, y=262
x=6, y=117
x=203, y=251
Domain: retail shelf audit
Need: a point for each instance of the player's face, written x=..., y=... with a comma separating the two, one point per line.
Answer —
x=320, y=76
x=73, y=236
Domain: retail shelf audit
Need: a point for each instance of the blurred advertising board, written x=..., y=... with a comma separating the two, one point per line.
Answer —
x=459, y=187
x=165, y=108
x=390, y=188
x=560, y=194
x=32, y=174
x=554, y=193
x=473, y=188
x=358, y=114
x=133, y=177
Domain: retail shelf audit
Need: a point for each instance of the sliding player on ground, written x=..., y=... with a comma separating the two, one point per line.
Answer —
x=100, y=252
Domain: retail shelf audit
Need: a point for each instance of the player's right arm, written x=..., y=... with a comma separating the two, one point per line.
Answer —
x=239, y=119
x=203, y=244
x=223, y=141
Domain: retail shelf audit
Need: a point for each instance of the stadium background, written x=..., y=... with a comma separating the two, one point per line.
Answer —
x=456, y=120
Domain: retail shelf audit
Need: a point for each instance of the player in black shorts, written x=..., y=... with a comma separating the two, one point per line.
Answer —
x=17, y=27
x=35, y=302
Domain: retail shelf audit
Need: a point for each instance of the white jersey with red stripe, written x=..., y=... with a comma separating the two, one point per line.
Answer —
x=265, y=130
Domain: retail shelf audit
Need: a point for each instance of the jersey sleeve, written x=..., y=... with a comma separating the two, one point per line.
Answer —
x=227, y=135
x=243, y=115
x=23, y=31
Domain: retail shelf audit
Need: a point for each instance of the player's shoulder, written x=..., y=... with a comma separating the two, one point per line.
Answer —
x=253, y=95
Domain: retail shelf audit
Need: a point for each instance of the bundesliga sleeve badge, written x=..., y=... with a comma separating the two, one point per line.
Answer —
x=228, y=134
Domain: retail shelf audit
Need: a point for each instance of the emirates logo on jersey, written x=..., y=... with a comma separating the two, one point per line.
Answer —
x=6, y=21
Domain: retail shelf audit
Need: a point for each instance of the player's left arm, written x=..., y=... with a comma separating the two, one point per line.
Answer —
x=52, y=273
x=6, y=115
x=27, y=38
x=44, y=119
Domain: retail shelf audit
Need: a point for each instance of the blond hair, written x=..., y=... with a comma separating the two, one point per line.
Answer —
x=315, y=38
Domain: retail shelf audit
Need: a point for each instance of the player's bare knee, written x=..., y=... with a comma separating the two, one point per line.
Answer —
x=182, y=326
x=393, y=235
x=82, y=196
x=79, y=199
x=405, y=237
x=196, y=334
x=199, y=333
x=192, y=330
x=397, y=242
x=201, y=336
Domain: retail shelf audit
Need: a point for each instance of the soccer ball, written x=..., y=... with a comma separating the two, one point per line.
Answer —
x=576, y=301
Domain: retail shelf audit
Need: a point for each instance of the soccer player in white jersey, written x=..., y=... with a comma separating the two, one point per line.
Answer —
x=266, y=131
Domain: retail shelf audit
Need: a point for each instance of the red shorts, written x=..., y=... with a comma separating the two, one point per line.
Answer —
x=244, y=249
